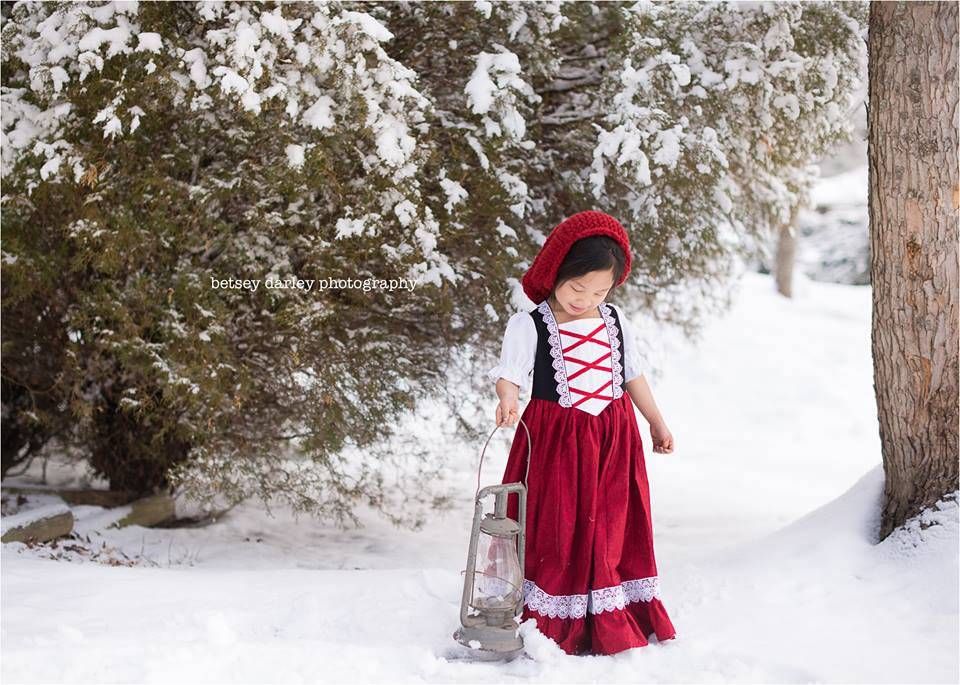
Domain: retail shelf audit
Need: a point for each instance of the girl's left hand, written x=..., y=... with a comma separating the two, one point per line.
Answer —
x=662, y=438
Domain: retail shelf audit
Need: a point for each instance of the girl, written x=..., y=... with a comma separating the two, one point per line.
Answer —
x=590, y=579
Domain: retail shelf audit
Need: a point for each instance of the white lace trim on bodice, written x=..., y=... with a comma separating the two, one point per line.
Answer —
x=556, y=353
x=613, y=333
x=594, y=601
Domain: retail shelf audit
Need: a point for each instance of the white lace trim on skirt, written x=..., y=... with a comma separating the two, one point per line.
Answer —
x=594, y=601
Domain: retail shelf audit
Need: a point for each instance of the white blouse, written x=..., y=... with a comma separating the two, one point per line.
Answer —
x=519, y=349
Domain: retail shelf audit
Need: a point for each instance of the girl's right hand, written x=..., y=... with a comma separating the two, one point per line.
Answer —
x=507, y=414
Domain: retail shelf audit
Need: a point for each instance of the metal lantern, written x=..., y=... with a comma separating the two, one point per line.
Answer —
x=492, y=601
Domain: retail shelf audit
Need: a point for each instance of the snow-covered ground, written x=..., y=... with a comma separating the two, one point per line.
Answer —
x=763, y=515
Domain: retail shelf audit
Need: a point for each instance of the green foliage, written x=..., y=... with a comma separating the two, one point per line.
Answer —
x=201, y=142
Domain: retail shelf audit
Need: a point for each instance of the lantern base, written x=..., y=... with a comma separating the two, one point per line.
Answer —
x=490, y=642
x=461, y=653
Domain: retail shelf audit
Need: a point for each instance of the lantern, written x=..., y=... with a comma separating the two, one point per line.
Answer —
x=492, y=600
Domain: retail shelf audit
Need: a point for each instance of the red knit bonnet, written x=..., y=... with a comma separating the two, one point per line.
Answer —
x=540, y=277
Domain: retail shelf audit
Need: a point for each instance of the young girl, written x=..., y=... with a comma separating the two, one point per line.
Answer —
x=590, y=579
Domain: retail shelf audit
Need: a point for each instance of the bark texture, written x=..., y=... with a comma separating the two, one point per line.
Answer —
x=912, y=151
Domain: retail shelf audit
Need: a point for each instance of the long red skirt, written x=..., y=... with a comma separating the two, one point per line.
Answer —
x=590, y=577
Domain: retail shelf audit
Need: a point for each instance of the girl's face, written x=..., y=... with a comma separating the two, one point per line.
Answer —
x=581, y=294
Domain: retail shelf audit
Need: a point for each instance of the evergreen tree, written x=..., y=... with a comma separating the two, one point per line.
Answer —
x=715, y=114
x=152, y=150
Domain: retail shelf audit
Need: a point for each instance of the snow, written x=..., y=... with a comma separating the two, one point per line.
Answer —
x=152, y=42
x=406, y=212
x=135, y=121
x=50, y=167
x=668, y=147
x=198, y=68
x=275, y=23
x=295, y=155
x=764, y=519
x=493, y=88
x=230, y=81
x=117, y=37
x=480, y=88
x=369, y=25
x=847, y=188
x=394, y=144
x=347, y=226
x=320, y=114
x=455, y=193
x=789, y=104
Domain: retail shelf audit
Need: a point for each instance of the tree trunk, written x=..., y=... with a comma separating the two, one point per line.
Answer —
x=786, y=255
x=912, y=152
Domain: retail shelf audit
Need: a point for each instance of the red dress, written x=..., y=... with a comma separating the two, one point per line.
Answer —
x=590, y=577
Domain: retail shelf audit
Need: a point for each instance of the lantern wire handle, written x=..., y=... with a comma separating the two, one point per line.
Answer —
x=529, y=453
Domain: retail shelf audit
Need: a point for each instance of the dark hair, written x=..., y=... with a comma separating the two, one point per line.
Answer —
x=595, y=253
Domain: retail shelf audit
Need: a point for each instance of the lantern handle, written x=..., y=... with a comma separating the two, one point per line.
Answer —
x=529, y=455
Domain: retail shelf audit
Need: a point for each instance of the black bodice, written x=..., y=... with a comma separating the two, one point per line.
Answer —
x=544, y=379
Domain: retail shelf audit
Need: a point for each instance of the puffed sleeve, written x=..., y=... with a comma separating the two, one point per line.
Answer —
x=633, y=362
x=518, y=351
